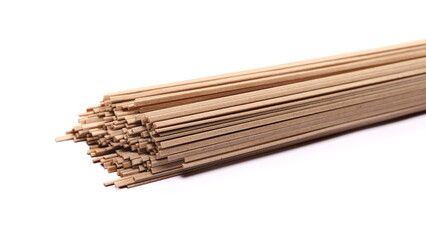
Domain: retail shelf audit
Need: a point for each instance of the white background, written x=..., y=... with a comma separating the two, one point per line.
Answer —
x=59, y=57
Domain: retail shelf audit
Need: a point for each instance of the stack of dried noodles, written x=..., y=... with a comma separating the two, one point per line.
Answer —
x=157, y=132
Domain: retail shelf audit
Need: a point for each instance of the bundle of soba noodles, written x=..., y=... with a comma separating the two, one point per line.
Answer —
x=157, y=132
